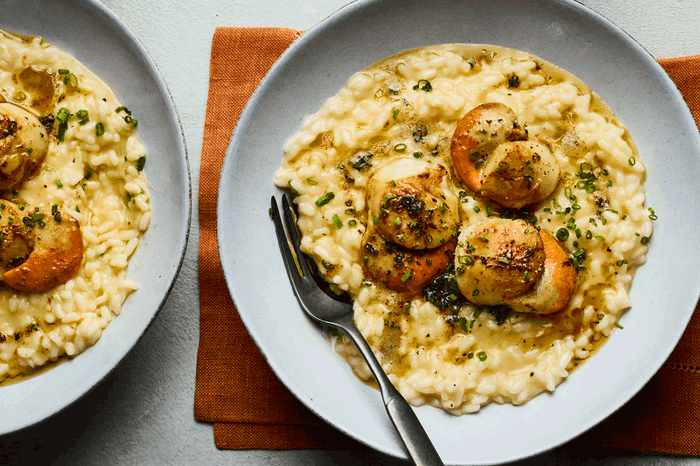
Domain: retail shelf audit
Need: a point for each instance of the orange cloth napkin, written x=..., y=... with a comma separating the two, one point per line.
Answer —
x=236, y=389
x=241, y=396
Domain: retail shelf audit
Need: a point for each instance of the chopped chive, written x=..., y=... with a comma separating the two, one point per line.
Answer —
x=337, y=221
x=71, y=80
x=291, y=188
x=129, y=120
x=466, y=260
x=400, y=148
x=562, y=234
x=463, y=322
x=325, y=199
x=423, y=85
x=482, y=356
x=63, y=115
x=407, y=275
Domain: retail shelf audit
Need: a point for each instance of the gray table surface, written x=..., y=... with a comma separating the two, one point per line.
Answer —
x=143, y=412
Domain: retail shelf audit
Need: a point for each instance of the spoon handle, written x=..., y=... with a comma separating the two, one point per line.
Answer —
x=409, y=428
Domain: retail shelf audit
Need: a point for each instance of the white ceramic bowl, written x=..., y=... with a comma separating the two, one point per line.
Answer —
x=98, y=39
x=563, y=32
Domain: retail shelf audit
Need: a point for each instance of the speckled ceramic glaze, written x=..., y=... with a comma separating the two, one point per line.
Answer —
x=98, y=39
x=563, y=32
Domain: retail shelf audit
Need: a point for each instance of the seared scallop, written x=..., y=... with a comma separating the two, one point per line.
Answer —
x=498, y=259
x=411, y=204
x=556, y=286
x=520, y=173
x=46, y=251
x=17, y=238
x=479, y=132
x=23, y=144
x=401, y=269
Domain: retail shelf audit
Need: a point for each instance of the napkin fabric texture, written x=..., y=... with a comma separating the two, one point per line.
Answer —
x=236, y=389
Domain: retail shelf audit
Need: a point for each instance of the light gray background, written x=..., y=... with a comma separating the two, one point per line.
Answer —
x=143, y=412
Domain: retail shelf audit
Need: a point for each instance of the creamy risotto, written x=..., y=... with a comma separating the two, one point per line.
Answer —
x=484, y=210
x=74, y=205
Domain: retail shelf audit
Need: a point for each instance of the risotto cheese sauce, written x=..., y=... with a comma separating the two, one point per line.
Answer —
x=92, y=172
x=408, y=106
